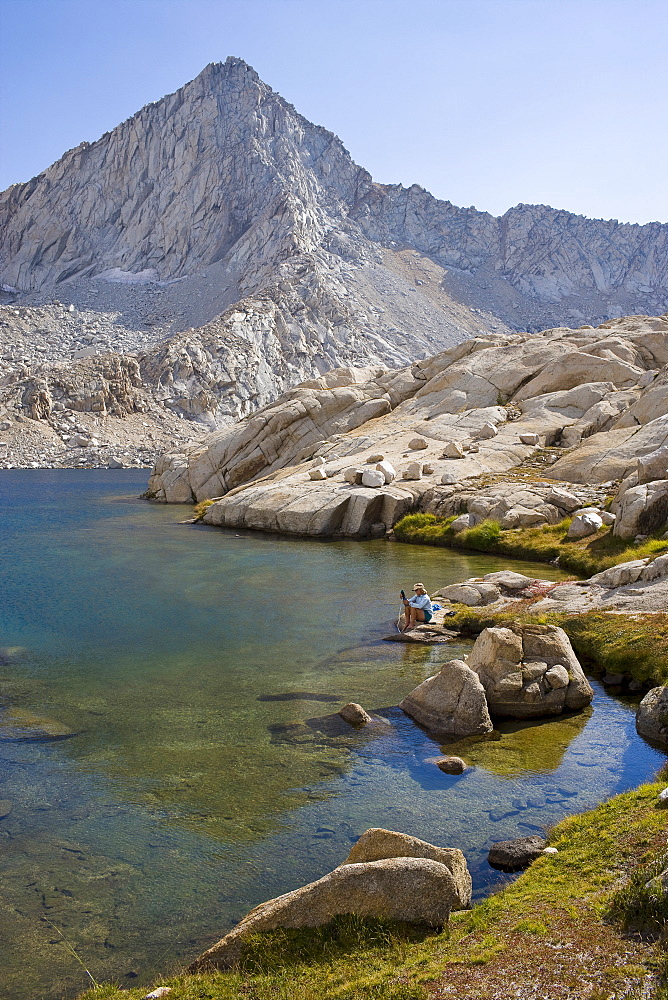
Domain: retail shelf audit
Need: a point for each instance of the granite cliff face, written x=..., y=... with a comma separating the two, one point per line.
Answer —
x=236, y=249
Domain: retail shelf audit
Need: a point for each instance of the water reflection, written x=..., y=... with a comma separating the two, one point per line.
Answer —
x=518, y=746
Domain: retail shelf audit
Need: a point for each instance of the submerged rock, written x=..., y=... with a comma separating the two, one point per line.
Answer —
x=12, y=654
x=19, y=724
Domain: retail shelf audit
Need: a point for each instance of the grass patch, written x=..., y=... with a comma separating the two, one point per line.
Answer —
x=635, y=645
x=641, y=906
x=530, y=927
x=200, y=509
x=571, y=899
x=584, y=556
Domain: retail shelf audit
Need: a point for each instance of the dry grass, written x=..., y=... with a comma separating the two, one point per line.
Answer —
x=200, y=509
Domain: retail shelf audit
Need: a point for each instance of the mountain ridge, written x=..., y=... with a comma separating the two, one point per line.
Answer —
x=236, y=249
x=315, y=168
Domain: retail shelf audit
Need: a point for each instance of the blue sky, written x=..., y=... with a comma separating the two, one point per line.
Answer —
x=483, y=102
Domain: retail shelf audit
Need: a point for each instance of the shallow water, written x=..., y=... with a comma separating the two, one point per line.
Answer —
x=199, y=672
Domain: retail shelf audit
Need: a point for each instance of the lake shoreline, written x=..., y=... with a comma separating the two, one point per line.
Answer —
x=589, y=897
x=121, y=788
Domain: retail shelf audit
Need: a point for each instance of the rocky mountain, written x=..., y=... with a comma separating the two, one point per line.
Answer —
x=233, y=248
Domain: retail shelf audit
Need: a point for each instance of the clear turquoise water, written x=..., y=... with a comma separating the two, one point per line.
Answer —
x=199, y=672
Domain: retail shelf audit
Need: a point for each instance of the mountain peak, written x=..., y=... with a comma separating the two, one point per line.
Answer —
x=226, y=171
x=234, y=68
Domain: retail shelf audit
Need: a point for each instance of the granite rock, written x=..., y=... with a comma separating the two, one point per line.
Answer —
x=451, y=703
x=412, y=889
x=522, y=669
x=376, y=844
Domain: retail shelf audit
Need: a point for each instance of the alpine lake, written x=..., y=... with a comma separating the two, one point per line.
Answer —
x=170, y=752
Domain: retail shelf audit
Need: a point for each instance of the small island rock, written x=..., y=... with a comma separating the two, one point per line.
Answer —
x=355, y=714
x=529, y=670
x=451, y=765
x=452, y=702
x=513, y=855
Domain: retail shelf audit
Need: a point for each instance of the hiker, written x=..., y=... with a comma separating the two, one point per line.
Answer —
x=417, y=609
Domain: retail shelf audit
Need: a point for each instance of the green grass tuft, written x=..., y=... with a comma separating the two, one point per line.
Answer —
x=200, y=509
x=529, y=926
x=583, y=557
x=634, y=645
x=641, y=905
x=345, y=935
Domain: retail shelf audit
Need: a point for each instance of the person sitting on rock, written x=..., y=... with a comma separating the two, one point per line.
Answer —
x=417, y=609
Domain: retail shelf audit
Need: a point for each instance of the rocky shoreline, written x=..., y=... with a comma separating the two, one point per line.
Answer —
x=520, y=670
x=501, y=434
x=349, y=455
x=565, y=928
x=462, y=437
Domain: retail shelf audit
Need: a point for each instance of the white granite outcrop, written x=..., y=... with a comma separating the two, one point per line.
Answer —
x=356, y=422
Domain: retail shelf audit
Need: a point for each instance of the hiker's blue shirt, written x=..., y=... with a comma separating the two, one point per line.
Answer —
x=422, y=602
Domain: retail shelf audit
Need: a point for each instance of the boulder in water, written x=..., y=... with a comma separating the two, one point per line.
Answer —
x=451, y=765
x=529, y=670
x=452, y=702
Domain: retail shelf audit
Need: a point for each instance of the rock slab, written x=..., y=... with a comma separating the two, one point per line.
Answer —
x=415, y=890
